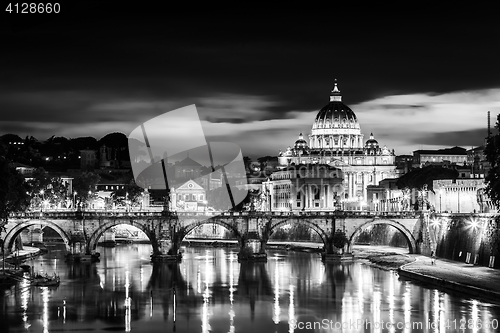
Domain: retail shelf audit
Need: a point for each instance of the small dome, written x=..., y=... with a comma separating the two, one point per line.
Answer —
x=300, y=143
x=371, y=142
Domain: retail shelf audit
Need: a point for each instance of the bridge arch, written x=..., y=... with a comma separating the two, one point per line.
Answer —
x=142, y=225
x=412, y=243
x=322, y=233
x=187, y=229
x=15, y=231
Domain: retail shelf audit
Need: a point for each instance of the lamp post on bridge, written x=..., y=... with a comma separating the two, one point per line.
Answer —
x=42, y=192
x=440, y=200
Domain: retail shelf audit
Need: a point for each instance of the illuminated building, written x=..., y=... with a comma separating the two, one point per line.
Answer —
x=336, y=140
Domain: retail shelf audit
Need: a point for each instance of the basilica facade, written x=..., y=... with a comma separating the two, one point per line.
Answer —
x=336, y=140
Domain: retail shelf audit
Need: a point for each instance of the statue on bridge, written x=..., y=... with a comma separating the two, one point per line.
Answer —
x=258, y=201
x=423, y=199
x=405, y=202
x=480, y=196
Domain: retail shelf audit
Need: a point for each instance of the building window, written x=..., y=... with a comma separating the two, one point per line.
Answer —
x=298, y=195
x=298, y=203
x=316, y=204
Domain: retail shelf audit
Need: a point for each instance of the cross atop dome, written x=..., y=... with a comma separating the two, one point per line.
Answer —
x=335, y=94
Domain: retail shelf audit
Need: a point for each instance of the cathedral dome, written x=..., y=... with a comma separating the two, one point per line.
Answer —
x=335, y=113
x=336, y=125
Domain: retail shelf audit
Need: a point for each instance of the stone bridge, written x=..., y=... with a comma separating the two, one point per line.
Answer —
x=81, y=230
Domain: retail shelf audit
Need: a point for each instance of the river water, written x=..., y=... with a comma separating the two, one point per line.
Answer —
x=211, y=292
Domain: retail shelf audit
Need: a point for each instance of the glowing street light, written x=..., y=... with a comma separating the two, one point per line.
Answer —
x=473, y=223
x=435, y=222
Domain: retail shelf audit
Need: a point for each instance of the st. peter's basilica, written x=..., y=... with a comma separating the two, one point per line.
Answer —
x=336, y=140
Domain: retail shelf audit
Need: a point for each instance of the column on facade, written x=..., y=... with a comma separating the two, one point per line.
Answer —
x=306, y=195
x=274, y=197
x=346, y=184
x=308, y=190
x=364, y=185
x=353, y=184
x=354, y=181
x=312, y=196
x=323, y=196
x=349, y=184
x=327, y=201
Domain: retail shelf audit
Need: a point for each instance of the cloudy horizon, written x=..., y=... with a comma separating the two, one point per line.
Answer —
x=414, y=86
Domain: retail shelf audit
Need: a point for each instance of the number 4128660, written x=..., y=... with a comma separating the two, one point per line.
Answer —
x=33, y=8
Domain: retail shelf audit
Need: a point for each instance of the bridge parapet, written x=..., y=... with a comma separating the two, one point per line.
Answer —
x=464, y=215
x=58, y=214
x=166, y=230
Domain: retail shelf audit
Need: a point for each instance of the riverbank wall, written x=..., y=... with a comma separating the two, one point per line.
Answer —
x=449, y=282
x=465, y=238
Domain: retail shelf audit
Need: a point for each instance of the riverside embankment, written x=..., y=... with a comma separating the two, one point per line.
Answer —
x=466, y=279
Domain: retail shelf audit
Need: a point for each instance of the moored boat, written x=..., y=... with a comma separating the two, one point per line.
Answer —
x=45, y=280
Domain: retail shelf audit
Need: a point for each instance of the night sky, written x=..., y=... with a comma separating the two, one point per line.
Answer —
x=418, y=78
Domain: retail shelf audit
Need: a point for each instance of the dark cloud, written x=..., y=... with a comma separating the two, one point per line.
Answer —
x=401, y=106
x=455, y=138
x=109, y=63
x=227, y=120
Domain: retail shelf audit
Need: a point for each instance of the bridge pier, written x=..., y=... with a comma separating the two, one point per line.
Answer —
x=79, y=251
x=252, y=248
x=168, y=251
x=336, y=249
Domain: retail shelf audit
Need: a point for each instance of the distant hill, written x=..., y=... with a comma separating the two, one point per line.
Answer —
x=86, y=142
x=114, y=140
x=11, y=138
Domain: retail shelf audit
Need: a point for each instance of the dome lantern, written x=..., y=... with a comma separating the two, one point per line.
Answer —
x=335, y=95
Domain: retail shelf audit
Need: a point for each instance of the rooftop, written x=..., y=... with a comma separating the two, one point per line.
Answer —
x=445, y=151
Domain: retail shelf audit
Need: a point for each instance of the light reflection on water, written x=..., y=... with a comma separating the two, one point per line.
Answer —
x=211, y=292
